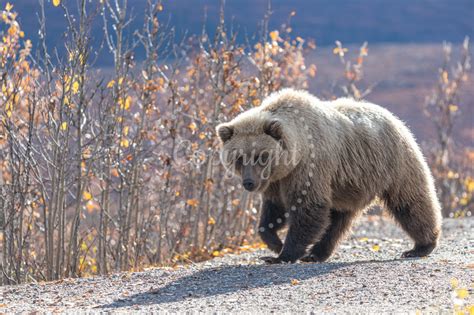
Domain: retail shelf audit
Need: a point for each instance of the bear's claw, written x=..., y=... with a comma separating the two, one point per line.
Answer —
x=309, y=258
x=419, y=251
x=271, y=260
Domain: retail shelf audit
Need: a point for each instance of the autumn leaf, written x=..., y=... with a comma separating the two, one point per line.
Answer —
x=295, y=282
x=211, y=221
x=56, y=2
x=192, y=202
x=125, y=104
x=8, y=7
x=462, y=293
x=192, y=126
x=312, y=70
x=64, y=126
x=91, y=206
x=339, y=51
x=454, y=283
x=86, y=195
x=256, y=102
x=453, y=108
x=274, y=35
x=75, y=87
x=375, y=248
x=216, y=253
x=470, y=184
x=114, y=172
x=124, y=143
x=111, y=84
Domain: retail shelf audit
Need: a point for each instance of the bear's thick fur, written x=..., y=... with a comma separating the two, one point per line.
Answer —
x=317, y=164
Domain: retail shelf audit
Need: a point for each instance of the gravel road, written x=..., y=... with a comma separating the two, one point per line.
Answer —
x=364, y=276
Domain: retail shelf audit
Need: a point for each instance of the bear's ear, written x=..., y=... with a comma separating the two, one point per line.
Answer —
x=274, y=129
x=225, y=132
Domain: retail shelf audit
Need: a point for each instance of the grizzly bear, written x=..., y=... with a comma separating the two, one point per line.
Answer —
x=318, y=164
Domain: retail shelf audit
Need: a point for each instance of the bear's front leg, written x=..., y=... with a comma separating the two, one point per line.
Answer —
x=307, y=224
x=272, y=220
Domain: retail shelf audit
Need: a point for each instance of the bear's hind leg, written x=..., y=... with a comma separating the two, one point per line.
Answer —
x=421, y=220
x=340, y=225
x=272, y=220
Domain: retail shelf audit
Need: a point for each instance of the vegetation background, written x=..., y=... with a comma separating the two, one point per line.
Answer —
x=107, y=148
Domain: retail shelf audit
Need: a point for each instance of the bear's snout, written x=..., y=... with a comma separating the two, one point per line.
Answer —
x=249, y=184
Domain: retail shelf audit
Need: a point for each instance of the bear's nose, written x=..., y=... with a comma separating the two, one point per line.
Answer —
x=248, y=184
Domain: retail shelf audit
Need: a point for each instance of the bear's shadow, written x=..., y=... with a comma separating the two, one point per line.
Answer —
x=231, y=278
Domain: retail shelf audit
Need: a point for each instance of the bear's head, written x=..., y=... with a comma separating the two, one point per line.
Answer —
x=255, y=147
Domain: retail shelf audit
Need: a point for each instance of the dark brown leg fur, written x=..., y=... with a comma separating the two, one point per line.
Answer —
x=340, y=224
x=306, y=224
x=272, y=220
x=420, y=223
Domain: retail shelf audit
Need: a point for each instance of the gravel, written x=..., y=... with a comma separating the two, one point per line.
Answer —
x=364, y=276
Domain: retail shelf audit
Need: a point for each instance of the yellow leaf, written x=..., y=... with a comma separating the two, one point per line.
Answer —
x=83, y=246
x=86, y=195
x=462, y=293
x=75, y=87
x=192, y=202
x=125, y=104
x=295, y=282
x=124, y=143
x=111, y=84
x=454, y=283
x=120, y=81
x=216, y=253
x=56, y=2
x=211, y=221
x=470, y=185
x=274, y=35
x=192, y=126
x=375, y=248
x=364, y=239
x=453, y=108
x=160, y=7
x=125, y=130
x=64, y=126
x=94, y=268
x=8, y=7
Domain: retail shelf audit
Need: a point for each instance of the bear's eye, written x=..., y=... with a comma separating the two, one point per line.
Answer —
x=264, y=157
x=239, y=161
